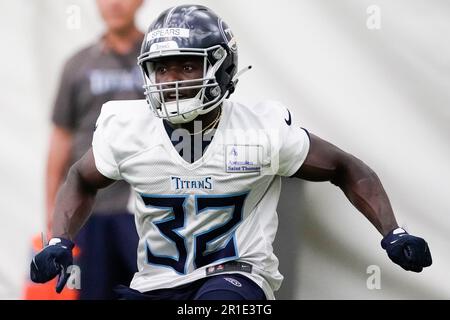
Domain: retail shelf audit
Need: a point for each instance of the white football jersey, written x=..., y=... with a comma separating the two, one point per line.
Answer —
x=215, y=215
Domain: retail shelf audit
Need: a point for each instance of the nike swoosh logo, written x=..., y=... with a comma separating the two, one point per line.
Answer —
x=401, y=235
x=288, y=121
x=34, y=262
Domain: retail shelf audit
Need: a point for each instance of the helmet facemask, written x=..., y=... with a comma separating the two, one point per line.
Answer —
x=183, y=107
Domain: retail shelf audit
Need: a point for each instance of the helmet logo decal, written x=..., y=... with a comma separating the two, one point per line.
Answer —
x=228, y=36
x=232, y=44
x=168, y=32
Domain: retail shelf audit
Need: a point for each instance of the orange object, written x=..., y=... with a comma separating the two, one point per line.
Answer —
x=46, y=291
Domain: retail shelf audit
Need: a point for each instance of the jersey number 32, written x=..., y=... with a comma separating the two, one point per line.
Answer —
x=170, y=228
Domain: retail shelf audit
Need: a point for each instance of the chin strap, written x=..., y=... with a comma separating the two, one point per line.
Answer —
x=230, y=90
x=240, y=73
x=234, y=81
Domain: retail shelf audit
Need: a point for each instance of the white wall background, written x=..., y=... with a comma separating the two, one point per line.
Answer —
x=382, y=95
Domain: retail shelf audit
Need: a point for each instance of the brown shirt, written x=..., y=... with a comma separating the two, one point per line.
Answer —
x=90, y=78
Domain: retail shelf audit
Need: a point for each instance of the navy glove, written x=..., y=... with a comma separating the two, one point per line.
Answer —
x=409, y=252
x=54, y=259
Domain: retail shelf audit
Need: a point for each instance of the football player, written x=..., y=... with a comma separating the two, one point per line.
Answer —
x=206, y=212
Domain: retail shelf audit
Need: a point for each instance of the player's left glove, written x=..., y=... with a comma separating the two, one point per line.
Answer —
x=409, y=252
x=54, y=259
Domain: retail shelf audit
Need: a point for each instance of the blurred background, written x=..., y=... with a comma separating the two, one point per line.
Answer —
x=372, y=77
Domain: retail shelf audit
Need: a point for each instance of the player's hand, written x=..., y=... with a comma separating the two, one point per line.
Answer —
x=53, y=260
x=409, y=252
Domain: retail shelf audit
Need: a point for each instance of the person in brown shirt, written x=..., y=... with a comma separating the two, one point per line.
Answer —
x=103, y=71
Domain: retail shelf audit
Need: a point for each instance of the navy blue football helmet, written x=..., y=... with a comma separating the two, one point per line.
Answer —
x=192, y=30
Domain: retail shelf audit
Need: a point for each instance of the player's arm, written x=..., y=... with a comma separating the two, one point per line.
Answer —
x=73, y=206
x=57, y=164
x=76, y=196
x=326, y=162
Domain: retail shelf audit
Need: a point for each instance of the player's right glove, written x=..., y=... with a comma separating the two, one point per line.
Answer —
x=409, y=252
x=54, y=259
